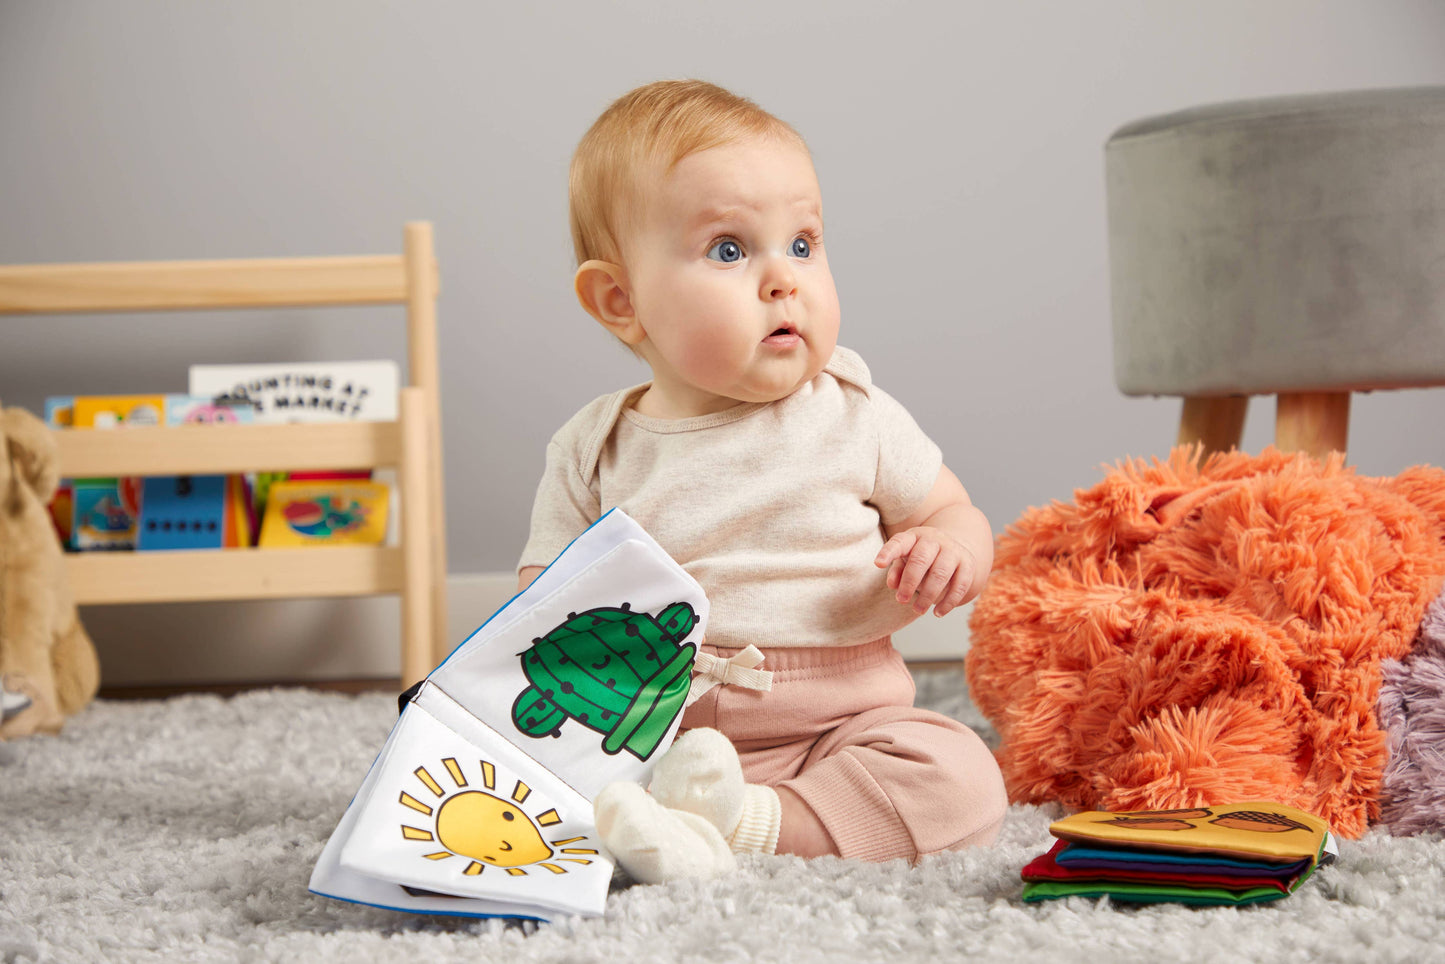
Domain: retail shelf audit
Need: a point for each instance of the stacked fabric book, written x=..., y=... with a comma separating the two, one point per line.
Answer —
x=1241, y=853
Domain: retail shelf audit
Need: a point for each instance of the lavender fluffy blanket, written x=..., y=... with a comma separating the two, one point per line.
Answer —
x=1412, y=712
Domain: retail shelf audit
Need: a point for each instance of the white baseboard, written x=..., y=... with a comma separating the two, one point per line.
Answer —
x=325, y=639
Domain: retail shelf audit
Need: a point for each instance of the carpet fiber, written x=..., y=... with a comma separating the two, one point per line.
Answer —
x=186, y=829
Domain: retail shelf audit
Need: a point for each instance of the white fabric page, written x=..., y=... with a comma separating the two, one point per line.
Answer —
x=456, y=809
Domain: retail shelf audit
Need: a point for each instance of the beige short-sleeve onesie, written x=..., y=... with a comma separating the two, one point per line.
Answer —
x=775, y=508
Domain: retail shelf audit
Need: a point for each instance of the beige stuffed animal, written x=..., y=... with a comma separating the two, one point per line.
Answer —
x=45, y=653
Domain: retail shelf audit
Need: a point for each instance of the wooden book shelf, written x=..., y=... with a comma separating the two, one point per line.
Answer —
x=415, y=570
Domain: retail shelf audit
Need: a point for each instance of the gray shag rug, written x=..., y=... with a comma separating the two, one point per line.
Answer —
x=185, y=830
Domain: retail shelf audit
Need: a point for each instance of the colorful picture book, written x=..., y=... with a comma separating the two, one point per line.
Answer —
x=110, y=513
x=261, y=483
x=204, y=410
x=104, y=513
x=194, y=512
x=480, y=802
x=325, y=512
x=1218, y=855
x=60, y=411
x=116, y=411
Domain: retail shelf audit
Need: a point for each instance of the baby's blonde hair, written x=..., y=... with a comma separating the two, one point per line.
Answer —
x=649, y=130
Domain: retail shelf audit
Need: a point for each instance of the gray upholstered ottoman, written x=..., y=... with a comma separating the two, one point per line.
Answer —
x=1292, y=246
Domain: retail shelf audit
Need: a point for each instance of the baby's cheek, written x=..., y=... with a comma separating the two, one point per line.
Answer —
x=712, y=341
x=705, y=358
x=824, y=309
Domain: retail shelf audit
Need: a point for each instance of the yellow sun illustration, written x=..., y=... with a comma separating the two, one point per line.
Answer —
x=490, y=830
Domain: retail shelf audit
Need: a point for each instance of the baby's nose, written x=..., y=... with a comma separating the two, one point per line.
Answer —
x=779, y=281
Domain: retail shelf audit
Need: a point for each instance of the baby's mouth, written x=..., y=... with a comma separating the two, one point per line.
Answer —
x=784, y=336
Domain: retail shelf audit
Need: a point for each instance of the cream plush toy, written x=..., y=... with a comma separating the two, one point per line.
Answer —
x=45, y=654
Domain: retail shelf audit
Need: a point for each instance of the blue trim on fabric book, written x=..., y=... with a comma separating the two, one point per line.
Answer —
x=1075, y=852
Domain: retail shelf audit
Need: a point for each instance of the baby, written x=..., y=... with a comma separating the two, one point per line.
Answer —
x=765, y=461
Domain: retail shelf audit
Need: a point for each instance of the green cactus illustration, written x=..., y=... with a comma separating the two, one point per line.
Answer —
x=621, y=673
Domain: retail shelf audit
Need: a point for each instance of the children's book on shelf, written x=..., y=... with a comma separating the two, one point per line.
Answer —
x=197, y=511
x=480, y=802
x=104, y=513
x=262, y=482
x=117, y=411
x=1231, y=854
x=194, y=512
x=325, y=512
x=204, y=410
x=304, y=391
x=285, y=392
x=101, y=512
x=110, y=513
x=60, y=411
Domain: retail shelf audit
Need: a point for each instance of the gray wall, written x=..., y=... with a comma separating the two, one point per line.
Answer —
x=958, y=144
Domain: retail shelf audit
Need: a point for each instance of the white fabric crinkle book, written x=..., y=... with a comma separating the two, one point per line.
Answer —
x=480, y=802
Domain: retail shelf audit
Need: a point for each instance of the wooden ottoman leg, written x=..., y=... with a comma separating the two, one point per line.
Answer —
x=1216, y=421
x=1313, y=422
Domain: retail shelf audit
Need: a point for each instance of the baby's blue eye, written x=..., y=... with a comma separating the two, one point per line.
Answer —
x=801, y=248
x=725, y=251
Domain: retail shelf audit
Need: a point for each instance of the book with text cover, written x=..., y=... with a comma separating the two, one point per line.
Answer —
x=304, y=391
x=480, y=802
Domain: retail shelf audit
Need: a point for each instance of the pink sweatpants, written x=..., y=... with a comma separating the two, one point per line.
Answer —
x=839, y=729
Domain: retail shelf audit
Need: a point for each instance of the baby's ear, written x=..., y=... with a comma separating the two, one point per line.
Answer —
x=602, y=290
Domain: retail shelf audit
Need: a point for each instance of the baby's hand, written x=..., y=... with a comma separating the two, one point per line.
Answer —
x=927, y=566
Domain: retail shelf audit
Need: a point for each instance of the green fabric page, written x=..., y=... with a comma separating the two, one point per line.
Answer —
x=1147, y=893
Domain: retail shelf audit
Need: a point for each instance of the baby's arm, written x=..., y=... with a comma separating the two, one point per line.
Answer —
x=942, y=553
x=526, y=576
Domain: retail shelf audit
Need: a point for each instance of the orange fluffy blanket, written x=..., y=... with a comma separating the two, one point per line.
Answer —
x=1185, y=635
